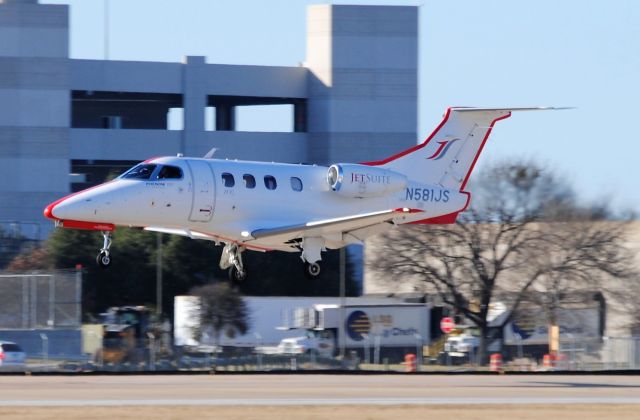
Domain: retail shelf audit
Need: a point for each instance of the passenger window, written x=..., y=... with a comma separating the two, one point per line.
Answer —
x=270, y=182
x=249, y=181
x=142, y=171
x=296, y=184
x=170, y=172
x=227, y=180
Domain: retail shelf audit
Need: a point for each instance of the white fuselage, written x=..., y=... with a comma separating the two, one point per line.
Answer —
x=227, y=200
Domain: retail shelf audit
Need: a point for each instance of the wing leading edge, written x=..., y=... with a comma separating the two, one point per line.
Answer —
x=330, y=226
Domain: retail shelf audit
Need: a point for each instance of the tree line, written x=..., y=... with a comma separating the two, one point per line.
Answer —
x=187, y=264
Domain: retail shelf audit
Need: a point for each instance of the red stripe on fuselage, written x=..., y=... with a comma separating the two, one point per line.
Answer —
x=79, y=224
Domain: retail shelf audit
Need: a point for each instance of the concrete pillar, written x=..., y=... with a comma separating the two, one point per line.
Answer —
x=35, y=104
x=194, y=100
x=363, y=84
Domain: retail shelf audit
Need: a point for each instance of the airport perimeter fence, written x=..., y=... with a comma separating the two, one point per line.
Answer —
x=63, y=351
x=36, y=301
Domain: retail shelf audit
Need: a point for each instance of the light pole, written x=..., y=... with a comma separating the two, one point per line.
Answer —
x=159, y=275
x=343, y=301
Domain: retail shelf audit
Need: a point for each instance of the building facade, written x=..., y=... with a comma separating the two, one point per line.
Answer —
x=67, y=124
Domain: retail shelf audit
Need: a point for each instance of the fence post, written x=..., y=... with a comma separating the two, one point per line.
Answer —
x=25, y=302
x=45, y=347
x=78, y=302
x=51, y=321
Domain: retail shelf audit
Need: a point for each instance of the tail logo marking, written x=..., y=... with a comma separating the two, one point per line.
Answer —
x=442, y=149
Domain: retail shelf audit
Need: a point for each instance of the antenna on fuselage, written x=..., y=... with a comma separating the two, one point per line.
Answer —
x=210, y=153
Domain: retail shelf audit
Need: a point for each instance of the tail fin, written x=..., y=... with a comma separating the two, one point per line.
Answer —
x=448, y=155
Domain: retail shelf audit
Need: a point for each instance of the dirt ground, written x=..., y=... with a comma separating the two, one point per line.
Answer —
x=479, y=412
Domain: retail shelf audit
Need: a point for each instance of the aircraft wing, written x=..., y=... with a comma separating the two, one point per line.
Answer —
x=182, y=232
x=329, y=226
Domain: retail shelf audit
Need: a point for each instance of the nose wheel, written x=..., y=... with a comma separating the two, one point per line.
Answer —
x=104, y=257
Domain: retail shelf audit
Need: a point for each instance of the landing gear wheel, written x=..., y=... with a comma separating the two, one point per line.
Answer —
x=237, y=276
x=311, y=270
x=103, y=259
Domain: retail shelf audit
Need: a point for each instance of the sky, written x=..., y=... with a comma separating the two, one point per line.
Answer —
x=496, y=53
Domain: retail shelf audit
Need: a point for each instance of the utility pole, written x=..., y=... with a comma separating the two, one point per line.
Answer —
x=159, y=274
x=343, y=302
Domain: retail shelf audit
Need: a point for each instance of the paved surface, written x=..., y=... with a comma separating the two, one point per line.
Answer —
x=318, y=390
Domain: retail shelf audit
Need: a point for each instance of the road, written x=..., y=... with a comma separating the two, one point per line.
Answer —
x=335, y=394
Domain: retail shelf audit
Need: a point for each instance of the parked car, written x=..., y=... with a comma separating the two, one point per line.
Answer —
x=11, y=355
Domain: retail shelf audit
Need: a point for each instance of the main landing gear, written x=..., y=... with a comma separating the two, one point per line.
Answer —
x=311, y=270
x=232, y=259
x=104, y=257
x=311, y=250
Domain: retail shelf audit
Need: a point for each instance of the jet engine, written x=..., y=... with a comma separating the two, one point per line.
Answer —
x=361, y=181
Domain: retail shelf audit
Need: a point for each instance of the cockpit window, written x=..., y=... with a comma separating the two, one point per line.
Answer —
x=141, y=171
x=170, y=172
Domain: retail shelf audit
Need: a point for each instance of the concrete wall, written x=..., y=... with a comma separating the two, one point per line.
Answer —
x=136, y=144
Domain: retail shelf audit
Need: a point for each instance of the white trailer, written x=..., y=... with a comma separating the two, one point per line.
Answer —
x=271, y=318
x=382, y=330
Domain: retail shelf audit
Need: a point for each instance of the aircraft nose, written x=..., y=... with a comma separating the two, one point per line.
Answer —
x=79, y=206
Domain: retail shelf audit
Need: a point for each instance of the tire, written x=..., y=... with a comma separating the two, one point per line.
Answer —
x=103, y=259
x=236, y=276
x=312, y=270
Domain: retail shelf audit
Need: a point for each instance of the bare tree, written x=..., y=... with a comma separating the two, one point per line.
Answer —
x=505, y=241
x=221, y=310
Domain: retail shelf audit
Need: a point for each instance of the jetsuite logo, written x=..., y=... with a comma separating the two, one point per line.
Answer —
x=442, y=150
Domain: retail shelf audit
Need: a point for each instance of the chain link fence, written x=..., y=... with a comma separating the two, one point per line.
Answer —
x=31, y=301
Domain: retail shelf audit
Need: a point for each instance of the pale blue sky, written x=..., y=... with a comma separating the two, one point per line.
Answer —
x=582, y=53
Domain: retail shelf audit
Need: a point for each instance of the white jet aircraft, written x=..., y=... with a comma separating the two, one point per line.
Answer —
x=288, y=207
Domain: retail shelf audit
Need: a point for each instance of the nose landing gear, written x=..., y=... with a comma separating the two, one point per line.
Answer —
x=232, y=259
x=104, y=257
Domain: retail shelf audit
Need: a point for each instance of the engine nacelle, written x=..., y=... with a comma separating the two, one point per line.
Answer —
x=360, y=181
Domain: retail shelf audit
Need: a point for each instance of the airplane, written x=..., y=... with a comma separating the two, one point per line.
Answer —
x=289, y=207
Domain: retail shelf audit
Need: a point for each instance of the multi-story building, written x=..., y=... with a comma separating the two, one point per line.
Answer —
x=65, y=123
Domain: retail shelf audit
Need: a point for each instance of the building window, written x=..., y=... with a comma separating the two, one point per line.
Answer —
x=249, y=181
x=270, y=182
x=296, y=184
x=227, y=180
x=112, y=121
